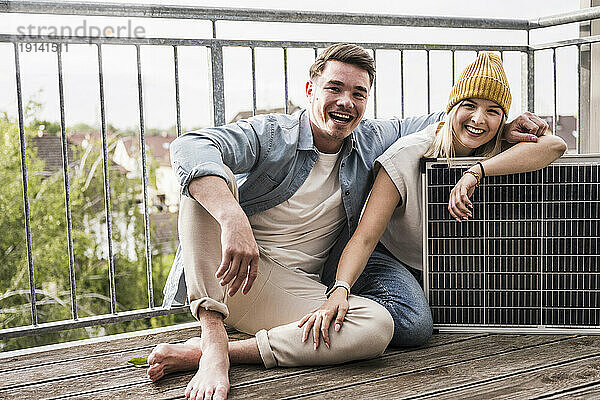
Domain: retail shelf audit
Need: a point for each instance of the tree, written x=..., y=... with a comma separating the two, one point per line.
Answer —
x=50, y=244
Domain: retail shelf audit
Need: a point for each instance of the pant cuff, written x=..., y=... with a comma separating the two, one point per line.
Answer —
x=210, y=305
x=264, y=348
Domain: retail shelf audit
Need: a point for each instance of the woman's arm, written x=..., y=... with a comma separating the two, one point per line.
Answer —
x=379, y=209
x=382, y=202
x=522, y=157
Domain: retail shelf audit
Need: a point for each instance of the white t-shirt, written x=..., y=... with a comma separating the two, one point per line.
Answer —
x=403, y=236
x=300, y=232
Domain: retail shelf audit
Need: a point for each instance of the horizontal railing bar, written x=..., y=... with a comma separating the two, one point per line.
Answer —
x=565, y=18
x=566, y=43
x=56, y=326
x=248, y=43
x=257, y=15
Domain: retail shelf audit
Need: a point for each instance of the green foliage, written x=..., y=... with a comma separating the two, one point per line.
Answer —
x=82, y=127
x=52, y=128
x=139, y=362
x=50, y=255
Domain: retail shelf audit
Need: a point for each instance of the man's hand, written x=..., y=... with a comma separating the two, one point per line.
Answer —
x=525, y=128
x=239, y=255
x=239, y=261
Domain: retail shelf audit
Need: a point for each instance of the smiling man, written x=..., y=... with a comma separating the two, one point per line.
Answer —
x=280, y=233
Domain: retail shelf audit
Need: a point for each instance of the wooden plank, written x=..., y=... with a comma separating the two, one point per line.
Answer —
x=358, y=379
x=444, y=380
x=80, y=353
x=588, y=391
x=337, y=376
x=77, y=351
x=110, y=362
x=543, y=381
x=115, y=378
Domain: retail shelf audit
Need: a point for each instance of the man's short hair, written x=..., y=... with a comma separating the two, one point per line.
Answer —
x=347, y=53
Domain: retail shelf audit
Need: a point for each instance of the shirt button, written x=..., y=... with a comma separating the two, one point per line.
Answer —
x=343, y=164
x=347, y=192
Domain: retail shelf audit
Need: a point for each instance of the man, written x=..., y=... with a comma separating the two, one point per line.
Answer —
x=307, y=177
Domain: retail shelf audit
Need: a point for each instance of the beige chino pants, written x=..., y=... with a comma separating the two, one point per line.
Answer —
x=276, y=302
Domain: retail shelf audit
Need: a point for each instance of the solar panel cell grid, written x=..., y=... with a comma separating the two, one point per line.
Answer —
x=528, y=258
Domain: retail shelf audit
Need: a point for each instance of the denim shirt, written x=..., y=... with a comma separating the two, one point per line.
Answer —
x=273, y=155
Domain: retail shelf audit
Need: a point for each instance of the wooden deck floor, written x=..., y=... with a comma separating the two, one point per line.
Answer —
x=451, y=366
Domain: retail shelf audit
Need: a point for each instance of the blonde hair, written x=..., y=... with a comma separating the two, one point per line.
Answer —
x=443, y=143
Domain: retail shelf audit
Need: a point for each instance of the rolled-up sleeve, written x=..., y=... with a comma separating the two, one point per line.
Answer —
x=205, y=152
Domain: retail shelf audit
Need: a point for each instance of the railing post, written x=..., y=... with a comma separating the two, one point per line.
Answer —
x=34, y=316
x=217, y=86
x=530, y=78
x=107, y=201
x=65, y=159
x=216, y=82
x=583, y=117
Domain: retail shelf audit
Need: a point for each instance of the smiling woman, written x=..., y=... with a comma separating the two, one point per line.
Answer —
x=477, y=108
x=475, y=123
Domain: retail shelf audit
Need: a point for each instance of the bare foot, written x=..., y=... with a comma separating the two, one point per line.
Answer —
x=211, y=382
x=167, y=358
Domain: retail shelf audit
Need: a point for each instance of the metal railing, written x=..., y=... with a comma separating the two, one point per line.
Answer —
x=215, y=47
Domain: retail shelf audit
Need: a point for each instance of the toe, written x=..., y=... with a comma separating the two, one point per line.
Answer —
x=220, y=393
x=208, y=394
x=157, y=354
x=156, y=375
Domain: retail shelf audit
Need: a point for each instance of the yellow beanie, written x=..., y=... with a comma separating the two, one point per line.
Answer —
x=484, y=79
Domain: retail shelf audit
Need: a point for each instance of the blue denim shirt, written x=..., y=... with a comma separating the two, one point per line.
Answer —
x=273, y=155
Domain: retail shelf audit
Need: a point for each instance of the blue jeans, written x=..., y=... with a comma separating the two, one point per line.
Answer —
x=397, y=287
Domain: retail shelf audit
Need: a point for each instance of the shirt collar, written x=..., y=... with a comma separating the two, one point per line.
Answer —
x=305, y=140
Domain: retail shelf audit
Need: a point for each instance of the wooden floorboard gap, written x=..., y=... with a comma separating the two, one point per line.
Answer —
x=372, y=380
x=500, y=377
x=108, y=353
x=573, y=391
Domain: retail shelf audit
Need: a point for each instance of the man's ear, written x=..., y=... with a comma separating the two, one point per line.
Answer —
x=309, y=90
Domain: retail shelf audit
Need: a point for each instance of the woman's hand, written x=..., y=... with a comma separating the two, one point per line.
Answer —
x=459, y=204
x=336, y=307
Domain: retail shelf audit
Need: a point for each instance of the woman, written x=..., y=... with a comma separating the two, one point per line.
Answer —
x=477, y=109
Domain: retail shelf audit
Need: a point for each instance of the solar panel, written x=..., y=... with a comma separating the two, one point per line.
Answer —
x=527, y=261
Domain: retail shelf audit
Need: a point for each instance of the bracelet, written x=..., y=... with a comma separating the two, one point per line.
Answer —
x=482, y=170
x=338, y=284
x=475, y=174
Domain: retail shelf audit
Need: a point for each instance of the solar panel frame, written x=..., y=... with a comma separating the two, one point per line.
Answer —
x=528, y=261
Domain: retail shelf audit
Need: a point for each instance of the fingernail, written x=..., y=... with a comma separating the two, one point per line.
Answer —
x=315, y=346
x=326, y=344
x=337, y=327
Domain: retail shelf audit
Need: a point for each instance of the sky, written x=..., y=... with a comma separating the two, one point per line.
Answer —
x=80, y=65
